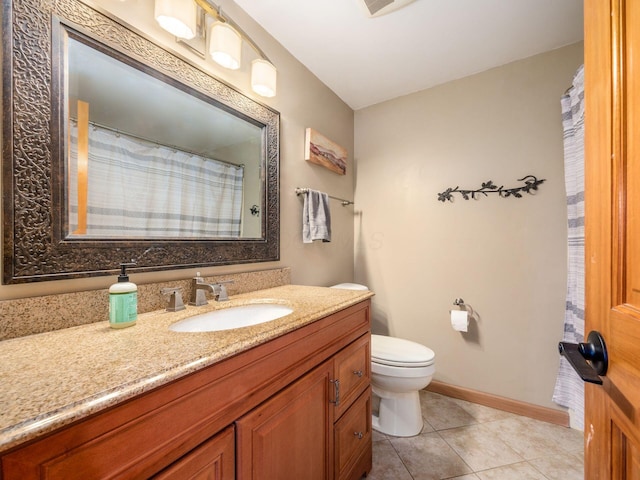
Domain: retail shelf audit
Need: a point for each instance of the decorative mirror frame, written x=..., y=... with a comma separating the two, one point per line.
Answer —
x=34, y=247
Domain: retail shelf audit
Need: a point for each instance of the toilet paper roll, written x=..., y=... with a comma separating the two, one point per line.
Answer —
x=460, y=320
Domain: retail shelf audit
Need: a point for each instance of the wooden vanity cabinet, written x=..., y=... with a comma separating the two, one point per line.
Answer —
x=280, y=391
x=324, y=415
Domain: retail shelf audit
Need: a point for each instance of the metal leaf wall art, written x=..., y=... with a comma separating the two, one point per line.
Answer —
x=530, y=186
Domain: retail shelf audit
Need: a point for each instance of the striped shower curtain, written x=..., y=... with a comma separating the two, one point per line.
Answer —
x=569, y=388
x=142, y=189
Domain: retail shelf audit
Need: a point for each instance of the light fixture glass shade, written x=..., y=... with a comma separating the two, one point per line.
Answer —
x=263, y=78
x=177, y=17
x=225, y=45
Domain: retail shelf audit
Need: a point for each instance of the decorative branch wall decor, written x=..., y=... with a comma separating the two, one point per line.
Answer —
x=530, y=185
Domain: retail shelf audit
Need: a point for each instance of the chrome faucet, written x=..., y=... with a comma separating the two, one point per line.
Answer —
x=199, y=289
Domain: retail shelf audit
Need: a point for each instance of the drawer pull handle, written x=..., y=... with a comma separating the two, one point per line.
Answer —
x=336, y=387
x=358, y=373
x=359, y=435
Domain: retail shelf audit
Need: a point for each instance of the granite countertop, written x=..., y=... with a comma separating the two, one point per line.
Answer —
x=53, y=379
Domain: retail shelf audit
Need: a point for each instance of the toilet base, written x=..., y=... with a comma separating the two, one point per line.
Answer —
x=399, y=414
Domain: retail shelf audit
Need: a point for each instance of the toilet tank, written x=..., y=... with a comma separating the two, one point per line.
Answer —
x=350, y=286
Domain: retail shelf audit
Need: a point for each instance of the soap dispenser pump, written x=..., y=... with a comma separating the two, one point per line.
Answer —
x=123, y=300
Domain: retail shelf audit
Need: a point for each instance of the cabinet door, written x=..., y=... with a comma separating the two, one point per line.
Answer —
x=213, y=460
x=353, y=372
x=289, y=437
x=353, y=440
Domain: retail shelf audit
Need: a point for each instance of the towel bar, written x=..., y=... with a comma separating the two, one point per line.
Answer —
x=301, y=190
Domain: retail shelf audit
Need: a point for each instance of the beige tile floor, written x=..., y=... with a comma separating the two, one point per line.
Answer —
x=466, y=441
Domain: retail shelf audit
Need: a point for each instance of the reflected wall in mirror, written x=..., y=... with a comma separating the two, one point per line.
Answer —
x=116, y=149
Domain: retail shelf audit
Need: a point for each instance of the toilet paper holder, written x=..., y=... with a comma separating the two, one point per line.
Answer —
x=459, y=302
x=460, y=316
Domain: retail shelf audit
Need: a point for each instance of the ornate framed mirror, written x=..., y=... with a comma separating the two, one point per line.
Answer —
x=115, y=148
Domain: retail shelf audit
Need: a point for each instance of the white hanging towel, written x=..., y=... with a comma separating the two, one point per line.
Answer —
x=316, y=217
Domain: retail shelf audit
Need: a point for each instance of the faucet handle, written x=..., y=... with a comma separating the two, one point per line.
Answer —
x=222, y=295
x=198, y=278
x=175, y=300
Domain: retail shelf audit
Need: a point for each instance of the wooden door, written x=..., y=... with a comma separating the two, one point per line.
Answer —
x=289, y=437
x=612, y=226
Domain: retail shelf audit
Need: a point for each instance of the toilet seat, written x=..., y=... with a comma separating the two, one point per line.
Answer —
x=398, y=352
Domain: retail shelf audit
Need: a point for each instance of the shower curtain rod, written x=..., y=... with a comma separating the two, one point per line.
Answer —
x=155, y=143
x=301, y=190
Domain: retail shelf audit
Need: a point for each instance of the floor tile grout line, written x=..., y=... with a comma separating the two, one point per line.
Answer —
x=400, y=458
x=509, y=464
x=454, y=451
x=537, y=469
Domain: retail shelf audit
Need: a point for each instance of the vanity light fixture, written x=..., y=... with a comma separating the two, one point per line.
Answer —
x=224, y=38
x=263, y=77
x=225, y=45
x=177, y=17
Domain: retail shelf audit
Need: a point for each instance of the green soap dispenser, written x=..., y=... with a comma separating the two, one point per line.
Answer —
x=123, y=300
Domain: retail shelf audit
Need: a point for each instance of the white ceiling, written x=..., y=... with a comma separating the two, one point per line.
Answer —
x=428, y=42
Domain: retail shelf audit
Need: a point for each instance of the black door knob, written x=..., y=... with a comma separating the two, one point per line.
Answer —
x=588, y=359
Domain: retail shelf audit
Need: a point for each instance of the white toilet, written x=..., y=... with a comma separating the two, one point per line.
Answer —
x=399, y=369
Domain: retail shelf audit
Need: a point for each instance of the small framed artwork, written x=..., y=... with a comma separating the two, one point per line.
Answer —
x=320, y=150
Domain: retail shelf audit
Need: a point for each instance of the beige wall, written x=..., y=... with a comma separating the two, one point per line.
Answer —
x=506, y=257
x=303, y=101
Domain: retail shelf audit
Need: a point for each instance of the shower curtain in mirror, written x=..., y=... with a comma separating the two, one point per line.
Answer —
x=569, y=388
x=137, y=188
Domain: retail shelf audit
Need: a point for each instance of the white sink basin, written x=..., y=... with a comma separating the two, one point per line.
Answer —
x=232, y=317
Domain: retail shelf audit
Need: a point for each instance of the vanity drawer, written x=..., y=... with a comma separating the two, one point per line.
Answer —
x=352, y=438
x=353, y=372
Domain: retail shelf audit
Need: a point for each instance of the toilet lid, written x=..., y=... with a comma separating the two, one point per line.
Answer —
x=399, y=352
